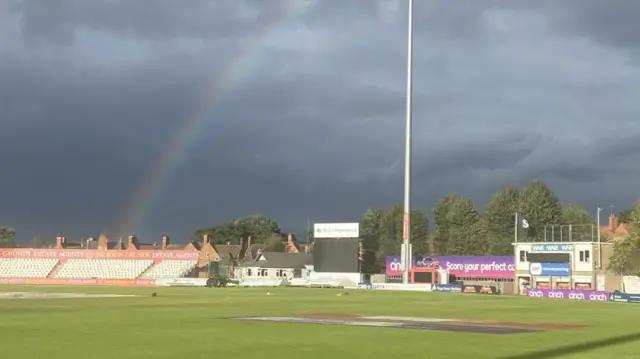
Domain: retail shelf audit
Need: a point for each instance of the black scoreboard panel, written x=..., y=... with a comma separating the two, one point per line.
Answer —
x=548, y=257
x=423, y=277
x=336, y=255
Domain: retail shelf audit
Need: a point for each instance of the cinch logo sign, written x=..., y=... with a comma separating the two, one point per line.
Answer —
x=558, y=295
x=395, y=266
x=576, y=296
x=536, y=293
x=568, y=294
x=600, y=297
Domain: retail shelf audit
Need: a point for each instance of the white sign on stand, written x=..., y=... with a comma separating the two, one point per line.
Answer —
x=336, y=230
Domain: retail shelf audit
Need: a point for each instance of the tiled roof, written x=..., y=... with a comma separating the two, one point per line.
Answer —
x=225, y=249
x=615, y=231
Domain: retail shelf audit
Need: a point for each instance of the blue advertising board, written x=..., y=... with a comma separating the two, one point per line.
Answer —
x=365, y=285
x=550, y=269
x=452, y=288
x=624, y=297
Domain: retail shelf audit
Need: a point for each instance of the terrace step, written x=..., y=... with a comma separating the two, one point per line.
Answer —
x=148, y=269
x=56, y=269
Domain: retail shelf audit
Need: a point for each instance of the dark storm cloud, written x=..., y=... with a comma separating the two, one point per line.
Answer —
x=609, y=22
x=153, y=19
x=474, y=154
x=302, y=107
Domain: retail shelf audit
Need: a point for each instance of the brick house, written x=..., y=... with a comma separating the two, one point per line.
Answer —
x=614, y=230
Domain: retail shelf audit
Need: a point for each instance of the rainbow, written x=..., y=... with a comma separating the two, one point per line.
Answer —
x=178, y=147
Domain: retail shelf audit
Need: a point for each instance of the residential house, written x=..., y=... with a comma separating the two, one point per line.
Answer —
x=614, y=230
x=101, y=243
x=226, y=254
x=63, y=243
x=251, y=251
x=134, y=244
x=276, y=265
x=104, y=243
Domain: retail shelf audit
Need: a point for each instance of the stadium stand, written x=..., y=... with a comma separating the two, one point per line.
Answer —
x=27, y=267
x=169, y=268
x=104, y=268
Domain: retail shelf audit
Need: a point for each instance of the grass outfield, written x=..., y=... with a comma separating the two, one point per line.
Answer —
x=185, y=323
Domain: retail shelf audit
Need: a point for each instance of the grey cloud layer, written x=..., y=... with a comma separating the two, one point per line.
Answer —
x=311, y=123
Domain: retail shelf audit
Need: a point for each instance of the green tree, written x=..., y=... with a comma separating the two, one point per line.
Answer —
x=382, y=233
x=626, y=257
x=580, y=224
x=391, y=236
x=626, y=252
x=541, y=207
x=441, y=223
x=394, y=224
x=259, y=227
x=574, y=214
x=221, y=233
x=7, y=237
x=274, y=243
x=466, y=233
x=626, y=215
x=39, y=242
x=372, y=231
x=419, y=232
x=498, y=218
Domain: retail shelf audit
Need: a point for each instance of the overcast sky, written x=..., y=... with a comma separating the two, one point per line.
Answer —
x=161, y=116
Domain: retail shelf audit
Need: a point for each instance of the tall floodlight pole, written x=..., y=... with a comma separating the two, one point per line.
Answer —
x=407, y=152
x=598, y=233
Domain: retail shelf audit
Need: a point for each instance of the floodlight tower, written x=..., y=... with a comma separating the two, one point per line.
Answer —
x=406, y=235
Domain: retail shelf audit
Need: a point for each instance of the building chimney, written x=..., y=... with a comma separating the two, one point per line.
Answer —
x=245, y=248
x=165, y=242
x=133, y=242
x=206, y=239
x=103, y=242
x=613, y=223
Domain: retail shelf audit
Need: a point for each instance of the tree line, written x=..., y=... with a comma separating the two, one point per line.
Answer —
x=261, y=229
x=7, y=237
x=459, y=228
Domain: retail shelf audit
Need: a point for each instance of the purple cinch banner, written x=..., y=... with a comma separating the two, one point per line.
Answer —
x=460, y=266
x=573, y=294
